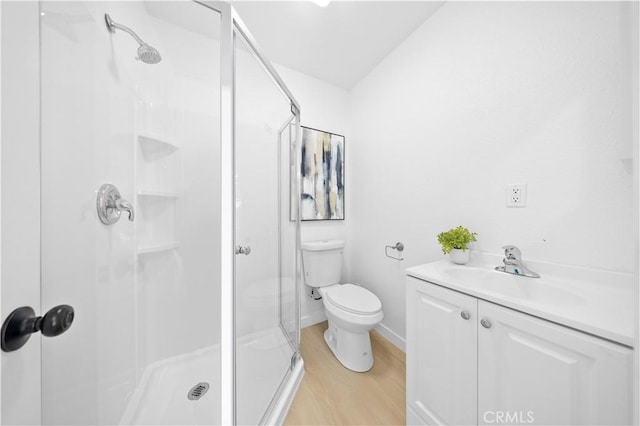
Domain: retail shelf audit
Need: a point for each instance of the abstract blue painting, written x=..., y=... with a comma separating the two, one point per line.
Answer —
x=322, y=170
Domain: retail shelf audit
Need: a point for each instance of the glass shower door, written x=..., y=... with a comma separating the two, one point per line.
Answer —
x=265, y=239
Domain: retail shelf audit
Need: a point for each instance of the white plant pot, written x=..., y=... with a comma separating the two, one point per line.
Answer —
x=459, y=257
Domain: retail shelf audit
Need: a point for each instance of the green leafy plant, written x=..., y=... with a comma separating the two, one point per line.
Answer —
x=456, y=238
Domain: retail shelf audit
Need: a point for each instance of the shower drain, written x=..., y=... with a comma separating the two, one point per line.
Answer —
x=198, y=391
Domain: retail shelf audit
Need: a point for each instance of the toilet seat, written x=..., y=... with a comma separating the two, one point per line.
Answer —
x=352, y=298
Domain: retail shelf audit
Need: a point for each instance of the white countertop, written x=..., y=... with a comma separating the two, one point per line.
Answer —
x=595, y=301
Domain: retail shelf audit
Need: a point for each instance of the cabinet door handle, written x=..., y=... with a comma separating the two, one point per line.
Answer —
x=485, y=323
x=465, y=315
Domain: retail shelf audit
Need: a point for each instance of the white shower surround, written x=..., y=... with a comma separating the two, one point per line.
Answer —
x=25, y=18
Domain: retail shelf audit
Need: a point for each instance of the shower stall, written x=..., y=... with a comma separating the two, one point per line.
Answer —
x=155, y=147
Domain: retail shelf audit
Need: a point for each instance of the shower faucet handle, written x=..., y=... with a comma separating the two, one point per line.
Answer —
x=110, y=205
x=125, y=206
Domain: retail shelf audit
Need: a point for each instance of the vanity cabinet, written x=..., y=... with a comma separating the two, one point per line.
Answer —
x=470, y=361
x=442, y=336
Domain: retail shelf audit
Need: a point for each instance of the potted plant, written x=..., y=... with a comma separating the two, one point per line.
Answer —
x=455, y=243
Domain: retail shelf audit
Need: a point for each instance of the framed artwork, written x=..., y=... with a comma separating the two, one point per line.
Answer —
x=322, y=175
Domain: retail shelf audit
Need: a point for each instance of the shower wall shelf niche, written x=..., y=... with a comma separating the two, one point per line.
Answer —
x=157, y=193
x=159, y=248
x=154, y=147
x=158, y=178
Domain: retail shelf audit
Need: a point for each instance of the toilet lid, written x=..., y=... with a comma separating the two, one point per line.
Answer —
x=353, y=298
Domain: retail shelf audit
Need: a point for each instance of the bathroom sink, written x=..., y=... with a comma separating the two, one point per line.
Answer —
x=595, y=301
x=539, y=290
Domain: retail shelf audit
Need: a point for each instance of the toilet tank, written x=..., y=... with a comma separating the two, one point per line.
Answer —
x=322, y=261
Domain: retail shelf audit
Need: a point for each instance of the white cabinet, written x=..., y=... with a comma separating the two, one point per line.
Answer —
x=441, y=354
x=548, y=373
x=501, y=366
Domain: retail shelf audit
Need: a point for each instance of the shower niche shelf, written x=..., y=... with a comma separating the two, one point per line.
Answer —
x=158, y=248
x=154, y=147
x=158, y=177
x=143, y=193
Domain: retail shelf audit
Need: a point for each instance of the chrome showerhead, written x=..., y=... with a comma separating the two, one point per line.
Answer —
x=146, y=53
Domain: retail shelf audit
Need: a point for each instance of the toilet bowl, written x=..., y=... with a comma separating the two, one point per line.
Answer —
x=351, y=310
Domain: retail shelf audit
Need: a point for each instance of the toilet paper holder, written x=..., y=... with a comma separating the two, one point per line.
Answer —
x=399, y=247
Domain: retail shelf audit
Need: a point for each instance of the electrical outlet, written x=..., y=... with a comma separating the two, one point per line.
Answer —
x=517, y=195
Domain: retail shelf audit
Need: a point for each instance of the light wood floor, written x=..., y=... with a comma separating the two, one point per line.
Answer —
x=330, y=394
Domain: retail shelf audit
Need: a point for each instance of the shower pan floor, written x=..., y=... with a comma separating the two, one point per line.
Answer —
x=161, y=397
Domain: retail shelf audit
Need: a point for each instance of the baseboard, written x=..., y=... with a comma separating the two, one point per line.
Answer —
x=312, y=318
x=398, y=341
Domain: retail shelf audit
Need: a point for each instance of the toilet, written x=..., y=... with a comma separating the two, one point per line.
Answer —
x=351, y=310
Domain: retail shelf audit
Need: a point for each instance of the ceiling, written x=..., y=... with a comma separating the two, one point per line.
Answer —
x=339, y=43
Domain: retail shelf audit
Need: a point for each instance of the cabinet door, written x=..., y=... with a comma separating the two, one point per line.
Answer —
x=441, y=354
x=534, y=371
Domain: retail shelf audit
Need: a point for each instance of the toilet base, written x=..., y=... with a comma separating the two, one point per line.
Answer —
x=353, y=350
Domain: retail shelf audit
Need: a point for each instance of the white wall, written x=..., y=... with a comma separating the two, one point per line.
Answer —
x=482, y=95
x=324, y=107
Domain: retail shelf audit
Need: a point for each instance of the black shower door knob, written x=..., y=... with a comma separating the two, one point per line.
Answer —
x=23, y=322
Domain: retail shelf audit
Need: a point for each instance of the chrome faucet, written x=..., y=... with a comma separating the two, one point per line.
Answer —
x=124, y=206
x=513, y=263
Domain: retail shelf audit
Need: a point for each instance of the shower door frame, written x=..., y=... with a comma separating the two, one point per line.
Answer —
x=230, y=23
